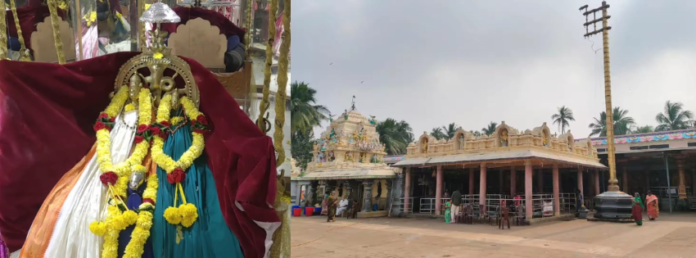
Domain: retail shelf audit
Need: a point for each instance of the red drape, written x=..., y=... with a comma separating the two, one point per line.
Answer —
x=216, y=19
x=46, y=117
x=29, y=16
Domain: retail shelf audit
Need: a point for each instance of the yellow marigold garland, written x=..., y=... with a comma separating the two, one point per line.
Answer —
x=116, y=177
x=186, y=214
x=143, y=224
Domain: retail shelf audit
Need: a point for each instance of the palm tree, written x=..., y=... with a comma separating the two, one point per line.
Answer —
x=437, y=133
x=563, y=117
x=305, y=115
x=490, y=129
x=622, y=123
x=674, y=117
x=450, y=130
x=643, y=129
x=302, y=146
x=475, y=133
x=394, y=135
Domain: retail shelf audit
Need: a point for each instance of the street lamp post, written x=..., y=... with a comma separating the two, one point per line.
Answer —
x=613, y=204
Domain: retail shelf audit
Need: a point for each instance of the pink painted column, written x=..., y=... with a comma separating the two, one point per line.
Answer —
x=513, y=181
x=556, y=192
x=580, y=186
x=471, y=181
x=438, y=191
x=528, y=189
x=407, y=189
x=596, y=181
x=482, y=185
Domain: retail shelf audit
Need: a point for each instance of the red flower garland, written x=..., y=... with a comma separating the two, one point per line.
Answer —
x=108, y=178
x=177, y=176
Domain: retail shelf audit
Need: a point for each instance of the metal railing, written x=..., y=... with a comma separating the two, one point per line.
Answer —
x=400, y=207
x=567, y=203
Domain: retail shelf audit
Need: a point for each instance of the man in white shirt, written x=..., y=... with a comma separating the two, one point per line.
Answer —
x=342, y=206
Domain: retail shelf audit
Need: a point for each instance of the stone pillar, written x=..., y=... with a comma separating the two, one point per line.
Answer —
x=438, y=190
x=513, y=181
x=482, y=184
x=528, y=189
x=407, y=189
x=389, y=189
x=556, y=192
x=580, y=183
x=540, y=181
x=308, y=194
x=682, y=180
x=367, y=201
x=397, y=188
x=346, y=184
x=693, y=181
x=596, y=181
x=625, y=179
x=471, y=181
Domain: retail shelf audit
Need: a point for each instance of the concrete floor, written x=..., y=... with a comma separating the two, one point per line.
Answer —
x=670, y=236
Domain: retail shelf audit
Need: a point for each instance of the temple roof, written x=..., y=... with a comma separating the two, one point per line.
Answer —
x=349, y=148
x=504, y=147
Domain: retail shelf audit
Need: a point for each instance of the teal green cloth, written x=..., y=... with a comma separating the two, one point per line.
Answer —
x=447, y=213
x=209, y=236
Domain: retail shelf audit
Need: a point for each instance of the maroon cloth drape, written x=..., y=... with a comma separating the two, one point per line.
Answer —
x=216, y=19
x=46, y=117
x=29, y=16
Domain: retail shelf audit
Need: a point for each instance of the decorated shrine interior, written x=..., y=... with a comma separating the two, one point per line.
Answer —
x=139, y=102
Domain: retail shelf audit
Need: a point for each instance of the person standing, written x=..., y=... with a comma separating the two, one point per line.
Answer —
x=638, y=209
x=356, y=209
x=456, y=205
x=653, y=208
x=448, y=213
x=325, y=204
x=333, y=205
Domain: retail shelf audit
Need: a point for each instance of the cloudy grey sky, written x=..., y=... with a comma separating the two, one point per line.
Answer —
x=472, y=62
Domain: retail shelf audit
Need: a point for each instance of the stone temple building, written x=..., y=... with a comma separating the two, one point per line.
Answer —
x=349, y=158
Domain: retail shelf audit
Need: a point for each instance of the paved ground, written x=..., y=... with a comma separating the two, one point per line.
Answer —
x=671, y=236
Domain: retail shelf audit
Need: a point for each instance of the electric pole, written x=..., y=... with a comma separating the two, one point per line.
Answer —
x=613, y=182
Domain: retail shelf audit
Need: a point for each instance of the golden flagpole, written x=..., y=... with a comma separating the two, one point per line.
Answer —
x=3, y=31
x=265, y=103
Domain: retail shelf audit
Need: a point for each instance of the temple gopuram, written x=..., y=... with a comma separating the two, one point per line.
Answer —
x=485, y=169
x=349, y=158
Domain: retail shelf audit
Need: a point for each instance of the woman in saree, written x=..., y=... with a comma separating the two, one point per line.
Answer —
x=447, y=213
x=653, y=206
x=325, y=205
x=332, y=201
x=637, y=209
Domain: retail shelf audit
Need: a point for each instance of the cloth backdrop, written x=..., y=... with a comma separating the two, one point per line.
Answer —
x=46, y=117
x=29, y=16
x=226, y=27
